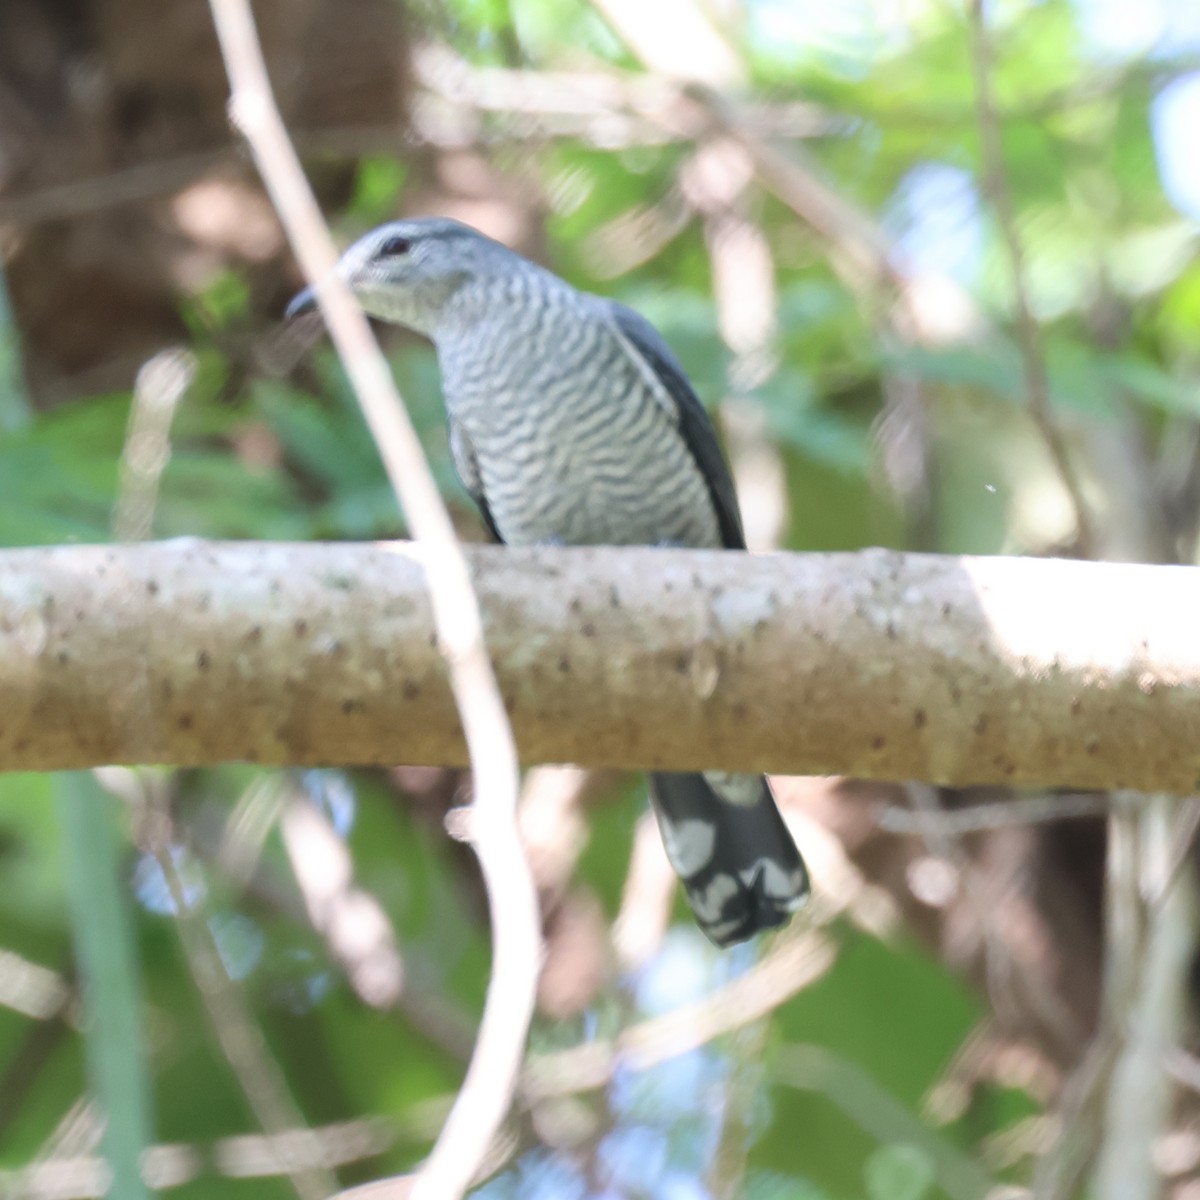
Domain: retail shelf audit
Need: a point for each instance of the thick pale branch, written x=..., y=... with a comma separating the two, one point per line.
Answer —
x=876, y=664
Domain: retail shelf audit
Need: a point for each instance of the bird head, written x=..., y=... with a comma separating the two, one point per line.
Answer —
x=409, y=272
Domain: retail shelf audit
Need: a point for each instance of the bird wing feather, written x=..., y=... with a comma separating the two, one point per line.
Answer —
x=659, y=366
x=467, y=467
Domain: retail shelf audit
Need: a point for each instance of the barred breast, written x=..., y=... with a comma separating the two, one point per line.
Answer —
x=566, y=438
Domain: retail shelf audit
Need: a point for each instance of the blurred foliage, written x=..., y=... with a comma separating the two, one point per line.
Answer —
x=1114, y=278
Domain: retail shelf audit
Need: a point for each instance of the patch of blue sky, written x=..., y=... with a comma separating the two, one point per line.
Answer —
x=682, y=972
x=686, y=969
x=300, y=981
x=1128, y=29
x=333, y=793
x=689, y=1084
x=633, y=1158
x=240, y=943
x=154, y=892
x=936, y=222
x=935, y=214
x=844, y=36
x=538, y=1175
x=1174, y=120
x=679, y=1185
x=1132, y=28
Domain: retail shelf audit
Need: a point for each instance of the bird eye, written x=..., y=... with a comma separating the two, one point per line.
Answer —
x=394, y=247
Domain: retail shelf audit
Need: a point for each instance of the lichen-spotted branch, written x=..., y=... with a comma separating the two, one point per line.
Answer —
x=875, y=664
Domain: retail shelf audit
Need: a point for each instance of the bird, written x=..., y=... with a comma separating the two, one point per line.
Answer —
x=571, y=422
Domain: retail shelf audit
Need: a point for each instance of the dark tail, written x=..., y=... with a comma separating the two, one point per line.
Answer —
x=729, y=845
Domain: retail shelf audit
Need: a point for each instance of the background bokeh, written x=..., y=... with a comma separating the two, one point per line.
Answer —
x=798, y=194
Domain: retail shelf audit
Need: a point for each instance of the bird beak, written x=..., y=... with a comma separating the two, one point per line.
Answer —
x=301, y=302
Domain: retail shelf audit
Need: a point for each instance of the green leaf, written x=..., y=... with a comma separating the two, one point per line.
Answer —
x=774, y=1185
x=376, y=187
x=210, y=493
x=104, y=947
x=899, y=1172
x=58, y=475
x=14, y=404
x=223, y=304
x=991, y=367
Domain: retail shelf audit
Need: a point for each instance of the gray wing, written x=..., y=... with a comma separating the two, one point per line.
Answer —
x=467, y=468
x=694, y=424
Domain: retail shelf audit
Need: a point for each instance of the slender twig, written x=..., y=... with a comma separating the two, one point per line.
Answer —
x=645, y=911
x=100, y=909
x=428, y=1011
x=15, y=410
x=260, y=1076
x=603, y=107
x=103, y=929
x=675, y=38
x=170, y=1165
x=1080, y=1114
x=488, y=1088
x=30, y=989
x=34, y=1052
x=1186, y=824
x=352, y=921
x=879, y=1113
x=160, y=386
x=746, y=296
x=80, y=1130
x=1141, y=1092
x=1184, y=1068
x=611, y=107
x=745, y=1053
x=794, y=962
x=1012, y=980
x=999, y=814
x=1029, y=334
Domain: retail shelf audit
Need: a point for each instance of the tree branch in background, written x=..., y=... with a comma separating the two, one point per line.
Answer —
x=240, y=1037
x=746, y=298
x=998, y=814
x=1140, y=1093
x=161, y=384
x=1029, y=334
x=244, y=1156
x=487, y=1091
x=877, y=664
x=14, y=402
x=676, y=39
x=794, y=961
x=110, y=984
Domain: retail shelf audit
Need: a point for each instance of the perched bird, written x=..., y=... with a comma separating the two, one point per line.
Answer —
x=572, y=423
